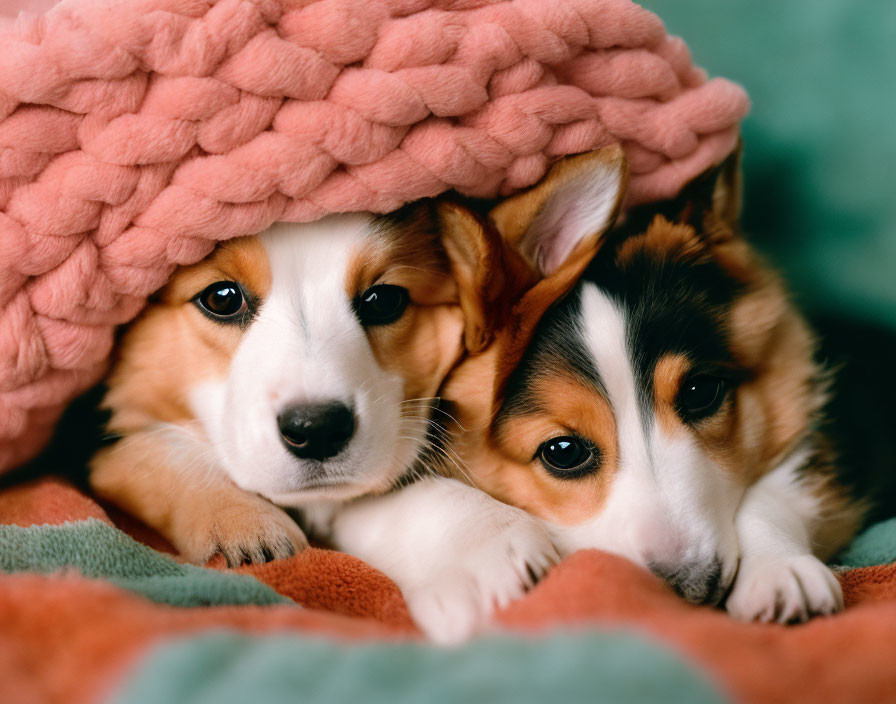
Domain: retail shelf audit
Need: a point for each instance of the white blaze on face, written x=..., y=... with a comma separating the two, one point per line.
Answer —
x=307, y=346
x=668, y=502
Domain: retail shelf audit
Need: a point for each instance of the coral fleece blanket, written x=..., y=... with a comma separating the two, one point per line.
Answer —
x=88, y=613
x=134, y=134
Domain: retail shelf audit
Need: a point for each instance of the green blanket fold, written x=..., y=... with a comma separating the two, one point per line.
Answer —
x=100, y=551
x=226, y=667
x=875, y=546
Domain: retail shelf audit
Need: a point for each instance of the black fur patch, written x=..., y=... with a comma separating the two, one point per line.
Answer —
x=671, y=305
x=861, y=413
x=557, y=345
x=79, y=434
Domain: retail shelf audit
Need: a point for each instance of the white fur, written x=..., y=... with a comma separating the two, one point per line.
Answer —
x=668, y=502
x=306, y=345
x=779, y=578
x=671, y=504
x=455, y=552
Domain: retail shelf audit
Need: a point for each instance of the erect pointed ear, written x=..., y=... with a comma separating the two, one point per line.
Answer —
x=551, y=232
x=476, y=255
x=717, y=190
x=564, y=216
x=727, y=192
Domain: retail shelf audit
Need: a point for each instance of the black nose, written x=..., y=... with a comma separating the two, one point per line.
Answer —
x=317, y=431
x=696, y=582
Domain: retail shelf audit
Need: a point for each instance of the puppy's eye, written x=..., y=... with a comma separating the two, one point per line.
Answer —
x=700, y=396
x=223, y=301
x=381, y=304
x=569, y=457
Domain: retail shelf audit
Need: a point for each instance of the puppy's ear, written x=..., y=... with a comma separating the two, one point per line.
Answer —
x=556, y=227
x=727, y=189
x=563, y=217
x=717, y=190
x=475, y=253
x=551, y=232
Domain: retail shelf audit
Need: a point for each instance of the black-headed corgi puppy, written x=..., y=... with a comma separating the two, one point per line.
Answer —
x=668, y=409
x=456, y=552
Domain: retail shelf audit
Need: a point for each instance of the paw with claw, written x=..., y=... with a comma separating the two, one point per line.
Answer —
x=784, y=590
x=250, y=530
x=485, y=573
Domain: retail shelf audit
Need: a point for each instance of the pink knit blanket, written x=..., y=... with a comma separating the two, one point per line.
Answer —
x=134, y=134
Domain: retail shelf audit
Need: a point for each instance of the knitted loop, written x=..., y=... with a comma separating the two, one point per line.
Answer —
x=135, y=134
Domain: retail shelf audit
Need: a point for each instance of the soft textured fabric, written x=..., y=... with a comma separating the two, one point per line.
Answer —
x=11, y=8
x=66, y=637
x=97, y=550
x=597, y=668
x=875, y=546
x=136, y=133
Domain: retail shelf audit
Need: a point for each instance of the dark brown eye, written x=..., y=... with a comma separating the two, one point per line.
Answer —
x=569, y=457
x=223, y=301
x=381, y=304
x=700, y=396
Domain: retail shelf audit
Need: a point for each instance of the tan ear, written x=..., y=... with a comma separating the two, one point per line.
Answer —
x=567, y=212
x=557, y=226
x=475, y=253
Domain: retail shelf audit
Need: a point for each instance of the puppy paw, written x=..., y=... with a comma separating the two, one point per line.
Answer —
x=786, y=590
x=487, y=572
x=247, y=531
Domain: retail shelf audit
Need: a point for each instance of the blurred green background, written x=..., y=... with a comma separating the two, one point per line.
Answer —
x=820, y=142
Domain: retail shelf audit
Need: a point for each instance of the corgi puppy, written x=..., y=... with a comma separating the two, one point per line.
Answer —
x=667, y=410
x=291, y=368
x=456, y=553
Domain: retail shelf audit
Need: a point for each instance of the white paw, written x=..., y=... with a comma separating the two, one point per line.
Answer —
x=495, y=566
x=786, y=590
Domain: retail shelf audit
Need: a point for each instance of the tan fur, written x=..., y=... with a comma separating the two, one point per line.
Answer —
x=668, y=375
x=536, y=293
x=163, y=355
x=662, y=239
x=770, y=342
x=777, y=402
x=480, y=269
x=476, y=386
x=523, y=481
x=172, y=346
x=200, y=511
x=733, y=437
x=159, y=472
x=426, y=341
x=513, y=215
x=452, y=272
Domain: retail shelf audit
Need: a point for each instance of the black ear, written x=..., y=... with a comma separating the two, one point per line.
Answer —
x=717, y=190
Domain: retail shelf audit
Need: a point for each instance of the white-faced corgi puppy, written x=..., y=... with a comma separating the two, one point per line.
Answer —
x=667, y=410
x=291, y=368
x=455, y=552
